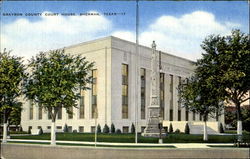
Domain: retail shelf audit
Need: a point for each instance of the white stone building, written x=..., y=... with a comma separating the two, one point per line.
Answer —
x=114, y=94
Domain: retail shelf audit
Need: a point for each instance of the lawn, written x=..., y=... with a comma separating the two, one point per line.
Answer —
x=130, y=138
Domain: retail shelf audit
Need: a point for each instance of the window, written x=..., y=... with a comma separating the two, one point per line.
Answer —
x=48, y=127
x=124, y=91
x=125, y=129
x=143, y=92
x=70, y=115
x=59, y=127
x=162, y=92
x=31, y=110
x=171, y=115
x=81, y=129
x=39, y=127
x=193, y=116
x=59, y=116
x=70, y=128
x=92, y=129
x=81, y=107
x=94, y=94
x=179, y=115
x=40, y=112
x=171, y=91
x=187, y=115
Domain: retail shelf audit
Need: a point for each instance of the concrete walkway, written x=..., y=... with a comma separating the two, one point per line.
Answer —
x=177, y=145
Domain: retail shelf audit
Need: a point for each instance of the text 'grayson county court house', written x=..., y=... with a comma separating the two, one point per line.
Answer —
x=113, y=91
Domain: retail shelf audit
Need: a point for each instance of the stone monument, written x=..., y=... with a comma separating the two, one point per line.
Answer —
x=152, y=129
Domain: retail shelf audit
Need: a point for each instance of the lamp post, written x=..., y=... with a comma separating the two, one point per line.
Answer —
x=160, y=128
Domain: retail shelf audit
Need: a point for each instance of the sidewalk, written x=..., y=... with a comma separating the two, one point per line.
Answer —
x=176, y=145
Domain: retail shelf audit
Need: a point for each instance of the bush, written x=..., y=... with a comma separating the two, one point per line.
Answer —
x=221, y=128
x=177, y=131
x=112, y=128
x=170, y=128
x=75, y=131
x=99, y=130
x=65, y=128
x=29, y=130
x=40, y=131
x=20, y=129
x=132, y=128
x=106, y=129
x=166, y=129
x=118, y=131
x=187, y=129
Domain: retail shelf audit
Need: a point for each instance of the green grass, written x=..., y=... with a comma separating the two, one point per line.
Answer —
x=130, y=138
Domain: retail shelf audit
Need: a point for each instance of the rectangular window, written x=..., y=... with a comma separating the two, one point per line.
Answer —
x=162, y=92
x=81, y=129
x=59, y=114
x=70, y=115
x=39, y=127
x=92, y=129
x=48, y=127
x=179, y=115
x=193, y=116
x=124, y=91
x=70, y=128
x=31, y=110
x=81, y=107
x=171, y=91
x=179, y=101
x=59, y=127
x=171, y=115
x=94, y=94
x=187, y=115
x=125, y=129
x=143, y=92
x=40, y=112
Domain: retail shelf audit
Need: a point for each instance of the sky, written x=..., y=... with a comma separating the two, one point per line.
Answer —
x=178, y=27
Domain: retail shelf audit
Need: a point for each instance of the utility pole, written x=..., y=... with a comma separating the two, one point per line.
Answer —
x=137, y=72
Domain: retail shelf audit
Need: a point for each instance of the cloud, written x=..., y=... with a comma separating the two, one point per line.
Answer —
x=183, y=35
x=27, y=38
x=180, y=36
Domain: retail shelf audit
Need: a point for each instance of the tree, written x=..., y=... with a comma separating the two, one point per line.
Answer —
x=99, y=130
x=55, y=80
x=132, y=128
x=112, y=128
x=198, y=97
x=106, y=129
x=12, y=73
x=227, y=64
x=171, y=128
x=15, y=115
x=187, y=130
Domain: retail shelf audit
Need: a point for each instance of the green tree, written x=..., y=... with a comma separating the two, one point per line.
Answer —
x=99, y=130
x=12, y=73
x=132, y=128
x=226, y=65
x=55, y=80
x=15, y=115
x=171, y=128
x=106, y=129
x=187, y=130
x=112, y=128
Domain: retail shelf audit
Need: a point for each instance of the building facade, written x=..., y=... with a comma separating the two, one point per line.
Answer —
x=113, y=98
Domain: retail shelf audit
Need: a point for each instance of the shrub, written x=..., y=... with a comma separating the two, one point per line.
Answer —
x=132, y=128
x=166, y=129
x=75, y=131
x=106, y=129
x=65, y=128
x=112, y=128
x=20, y=129
x=99, y=130
x=221, y=128
x=177, y=131
x=187, y=130
x=29, y=130
x=170, y=128
x=40, y=131
x=118, y=131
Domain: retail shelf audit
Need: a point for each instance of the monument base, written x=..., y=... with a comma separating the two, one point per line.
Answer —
x=156, y=135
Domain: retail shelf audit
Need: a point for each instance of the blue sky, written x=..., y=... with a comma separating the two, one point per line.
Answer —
x=177, y=27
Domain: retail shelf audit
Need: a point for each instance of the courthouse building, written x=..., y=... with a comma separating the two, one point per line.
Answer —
x=113, y=92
